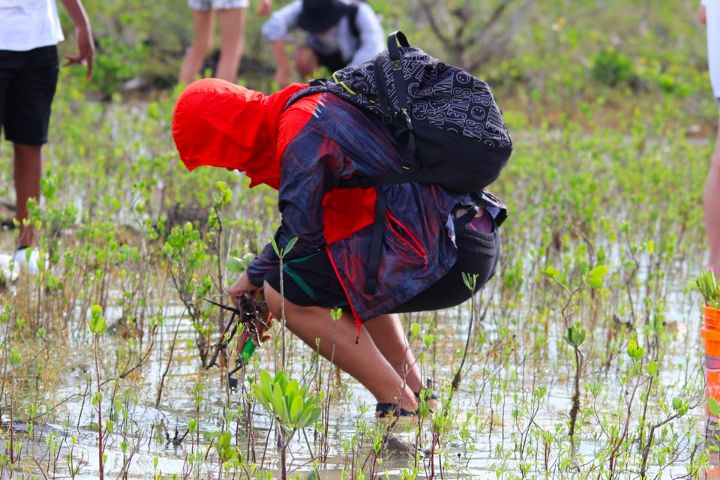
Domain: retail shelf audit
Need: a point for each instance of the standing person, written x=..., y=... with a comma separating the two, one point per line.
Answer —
x=29, y=34
x=431, y=235
x=710, y=16
x=231, y=15
x=339, y=34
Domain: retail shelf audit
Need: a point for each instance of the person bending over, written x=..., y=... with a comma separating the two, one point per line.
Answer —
x=339, y=34
x=431, y=236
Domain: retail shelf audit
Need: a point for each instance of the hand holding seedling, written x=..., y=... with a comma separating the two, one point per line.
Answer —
x=258, y=325
x=241, y=285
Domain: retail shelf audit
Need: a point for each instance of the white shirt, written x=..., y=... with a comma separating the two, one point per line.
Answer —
x=28, y=24
x=338, y=39
x=712, y=14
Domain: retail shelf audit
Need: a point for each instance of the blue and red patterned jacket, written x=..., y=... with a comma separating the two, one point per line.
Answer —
x=336, y=141
x=317, y=142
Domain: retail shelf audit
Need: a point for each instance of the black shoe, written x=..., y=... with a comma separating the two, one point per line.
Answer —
x=384, y=410
x=427, y=393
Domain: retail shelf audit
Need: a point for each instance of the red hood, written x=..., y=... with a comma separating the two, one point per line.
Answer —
x=221, y=124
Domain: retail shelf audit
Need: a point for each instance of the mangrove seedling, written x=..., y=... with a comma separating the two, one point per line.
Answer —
x=708, y=286
x=289, y=404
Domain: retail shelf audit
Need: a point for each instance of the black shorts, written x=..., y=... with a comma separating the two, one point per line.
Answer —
x=311, y=281
x=27, y=88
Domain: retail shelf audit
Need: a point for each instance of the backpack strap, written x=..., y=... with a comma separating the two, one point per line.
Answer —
x=315, y=86
x=378, y=228
x=395, y=41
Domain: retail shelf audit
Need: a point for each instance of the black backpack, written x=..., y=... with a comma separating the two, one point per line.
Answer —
x=445, y=121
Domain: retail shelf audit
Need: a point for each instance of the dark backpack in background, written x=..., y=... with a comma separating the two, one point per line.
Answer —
x=352, y=22
x=446, y=123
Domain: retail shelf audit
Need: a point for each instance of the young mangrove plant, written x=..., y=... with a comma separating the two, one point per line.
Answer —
x=289, y=404
x=98, y=327
x=709, y=287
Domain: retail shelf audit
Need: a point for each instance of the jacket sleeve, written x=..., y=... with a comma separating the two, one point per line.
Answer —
x=278, y=26
x=311, y=166
x=372, y=37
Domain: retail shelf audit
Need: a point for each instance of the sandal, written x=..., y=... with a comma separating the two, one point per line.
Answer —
x=384, y=410
x=426, y=394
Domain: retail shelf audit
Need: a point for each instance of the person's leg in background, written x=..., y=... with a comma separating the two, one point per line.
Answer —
x=202, y=42
x=362, y=359
x=711, y=204
x=306, y=62
x=232, y=42
x=27, y=117
x=27, y=162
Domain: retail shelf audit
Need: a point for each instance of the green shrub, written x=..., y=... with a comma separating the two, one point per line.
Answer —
x=612, y=67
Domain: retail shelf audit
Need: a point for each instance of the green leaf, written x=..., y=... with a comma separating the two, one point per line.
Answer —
x=275, y=246
x=309, y=416
x=260, y=396
x=15, y=356
x=265, y=378
x=279, y=406
x=414, y=330
x=575, y=335
x=470, y=280
x=240, y=264
x=552, y=272
x=296, y=410
x=594, y=277
x=290, y=245
x=635, y=351
x=713, y=407
x=97, y=323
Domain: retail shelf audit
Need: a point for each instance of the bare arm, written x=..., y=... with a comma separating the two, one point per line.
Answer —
x=265, y=7
x=83, y=34
x=282, y=74
x=702, y=14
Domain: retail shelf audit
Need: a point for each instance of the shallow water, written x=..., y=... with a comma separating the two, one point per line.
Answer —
x=482, y=453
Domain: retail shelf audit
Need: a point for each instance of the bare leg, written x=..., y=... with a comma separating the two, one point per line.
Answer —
x=28, y=171
x=194, y=57
x=362, y=360
x=389, y=337
x=305, y=62
x=232, y=42
x=711, y=202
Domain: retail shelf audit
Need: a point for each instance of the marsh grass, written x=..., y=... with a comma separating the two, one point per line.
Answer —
x=566, y=372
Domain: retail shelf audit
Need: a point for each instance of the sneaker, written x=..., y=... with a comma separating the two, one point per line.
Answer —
x=26, y=258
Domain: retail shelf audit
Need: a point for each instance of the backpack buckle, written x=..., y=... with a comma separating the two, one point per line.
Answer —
x=408, y=120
